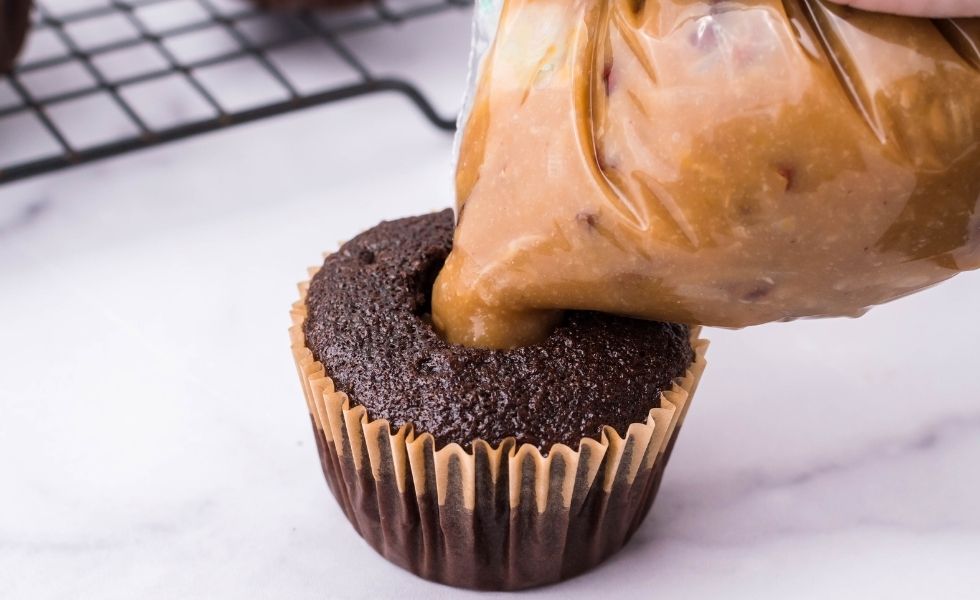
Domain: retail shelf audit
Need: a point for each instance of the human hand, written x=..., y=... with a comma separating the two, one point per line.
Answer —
x=919, y=8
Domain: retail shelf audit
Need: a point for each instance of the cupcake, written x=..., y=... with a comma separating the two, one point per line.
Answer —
x=15, y=20
x=485, y=469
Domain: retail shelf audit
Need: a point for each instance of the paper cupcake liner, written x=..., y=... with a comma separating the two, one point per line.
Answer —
x=501, y=518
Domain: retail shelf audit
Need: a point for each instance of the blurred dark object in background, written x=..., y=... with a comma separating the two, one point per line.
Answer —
x=15, y=18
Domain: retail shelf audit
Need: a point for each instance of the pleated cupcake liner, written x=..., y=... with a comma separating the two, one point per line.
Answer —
x=492, y=518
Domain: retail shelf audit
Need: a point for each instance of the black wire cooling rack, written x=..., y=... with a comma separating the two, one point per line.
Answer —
x=161, y=70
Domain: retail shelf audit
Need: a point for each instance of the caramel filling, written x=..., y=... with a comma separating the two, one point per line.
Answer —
x=720, y=163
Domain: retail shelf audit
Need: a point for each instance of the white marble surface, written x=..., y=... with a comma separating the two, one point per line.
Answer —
x=155, y=442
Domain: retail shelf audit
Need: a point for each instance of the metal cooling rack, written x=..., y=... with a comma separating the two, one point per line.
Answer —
x=159, y=70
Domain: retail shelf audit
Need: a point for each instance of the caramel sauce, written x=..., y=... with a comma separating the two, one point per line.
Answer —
x=720, y=163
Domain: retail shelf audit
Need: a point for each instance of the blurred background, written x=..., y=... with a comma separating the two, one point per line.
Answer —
x=153, y=435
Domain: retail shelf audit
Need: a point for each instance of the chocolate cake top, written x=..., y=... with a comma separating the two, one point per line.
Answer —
x=368, y=324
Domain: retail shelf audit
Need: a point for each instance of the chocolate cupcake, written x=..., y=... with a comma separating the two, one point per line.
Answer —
x=487, y=469
x=15, y=20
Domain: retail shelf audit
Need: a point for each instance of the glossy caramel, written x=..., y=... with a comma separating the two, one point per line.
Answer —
x=720, y=163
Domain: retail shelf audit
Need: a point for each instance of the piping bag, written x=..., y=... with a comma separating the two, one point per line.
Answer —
x=724, y=163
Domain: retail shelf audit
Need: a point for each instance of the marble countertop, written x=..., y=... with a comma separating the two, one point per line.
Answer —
x=156, y=443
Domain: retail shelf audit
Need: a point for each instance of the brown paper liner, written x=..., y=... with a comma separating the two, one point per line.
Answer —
x=502, y=518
